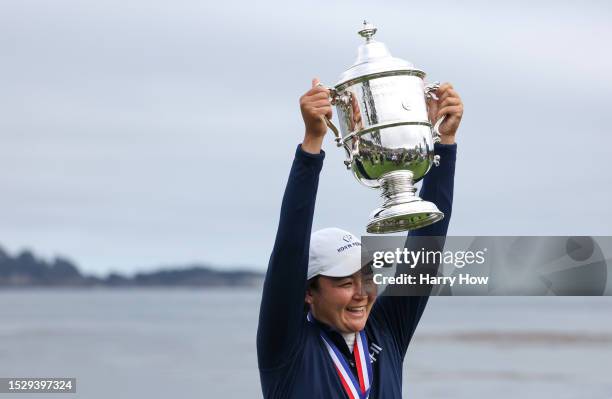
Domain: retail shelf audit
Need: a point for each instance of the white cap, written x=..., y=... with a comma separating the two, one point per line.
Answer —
x=333, y=252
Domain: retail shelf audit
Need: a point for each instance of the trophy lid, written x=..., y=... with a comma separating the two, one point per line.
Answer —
x=374, y=57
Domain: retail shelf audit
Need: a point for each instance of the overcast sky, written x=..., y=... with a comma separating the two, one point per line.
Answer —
x=137, y=134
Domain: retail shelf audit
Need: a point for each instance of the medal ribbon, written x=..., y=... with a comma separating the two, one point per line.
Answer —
x=355, y=389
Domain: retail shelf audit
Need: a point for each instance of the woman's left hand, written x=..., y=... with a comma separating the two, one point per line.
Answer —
x=448, y=103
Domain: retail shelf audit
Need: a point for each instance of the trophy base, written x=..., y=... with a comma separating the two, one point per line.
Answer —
x=403, y=209
x=404, y=217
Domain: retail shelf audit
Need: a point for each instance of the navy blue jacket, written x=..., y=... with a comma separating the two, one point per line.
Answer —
x=293, y=361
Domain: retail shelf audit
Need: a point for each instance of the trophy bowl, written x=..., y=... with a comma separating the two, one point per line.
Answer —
x=385, y=129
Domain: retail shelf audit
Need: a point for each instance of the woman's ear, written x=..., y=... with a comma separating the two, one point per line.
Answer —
x=308, y=298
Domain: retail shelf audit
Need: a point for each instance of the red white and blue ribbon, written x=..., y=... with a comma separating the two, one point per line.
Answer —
x=356, y=388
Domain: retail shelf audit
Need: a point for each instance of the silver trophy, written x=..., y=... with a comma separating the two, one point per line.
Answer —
x=384, y=128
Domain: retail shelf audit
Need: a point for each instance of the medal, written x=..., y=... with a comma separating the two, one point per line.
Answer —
x=356, y=388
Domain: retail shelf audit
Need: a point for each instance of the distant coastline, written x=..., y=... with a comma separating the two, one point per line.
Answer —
x=27, y=270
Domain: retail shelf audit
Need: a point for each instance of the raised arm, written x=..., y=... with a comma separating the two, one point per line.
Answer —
x=401, y=313
x=281, y=316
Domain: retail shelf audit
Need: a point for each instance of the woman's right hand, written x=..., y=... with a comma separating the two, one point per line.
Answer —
x=315, y=106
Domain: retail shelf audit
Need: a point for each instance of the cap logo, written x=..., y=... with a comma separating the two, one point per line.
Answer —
x=348, y=238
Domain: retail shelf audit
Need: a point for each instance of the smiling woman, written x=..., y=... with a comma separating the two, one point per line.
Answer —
x=343, y=302
x=324, y=349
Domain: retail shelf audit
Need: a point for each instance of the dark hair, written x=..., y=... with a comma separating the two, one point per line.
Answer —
x=313, y=283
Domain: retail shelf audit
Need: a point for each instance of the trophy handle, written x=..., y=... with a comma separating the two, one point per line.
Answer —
x=339, y=143
x=431, y=95
x=435, y=131
x=351, y=152
x=334, y=129
x=333, y=96
x=336, y=98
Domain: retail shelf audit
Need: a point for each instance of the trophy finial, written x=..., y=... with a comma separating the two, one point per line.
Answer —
x=368, y=31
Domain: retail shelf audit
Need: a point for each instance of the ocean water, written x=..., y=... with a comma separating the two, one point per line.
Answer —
x=201, y=344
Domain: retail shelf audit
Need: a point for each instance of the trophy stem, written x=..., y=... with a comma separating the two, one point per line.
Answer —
x=402, y=209
x=398, y=187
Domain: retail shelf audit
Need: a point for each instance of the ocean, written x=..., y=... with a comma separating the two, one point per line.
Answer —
x=146, y=343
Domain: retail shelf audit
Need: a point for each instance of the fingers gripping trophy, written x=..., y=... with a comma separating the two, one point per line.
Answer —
x=385, y=129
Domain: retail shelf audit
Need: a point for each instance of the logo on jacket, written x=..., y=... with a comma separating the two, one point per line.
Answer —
x=374, y=351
